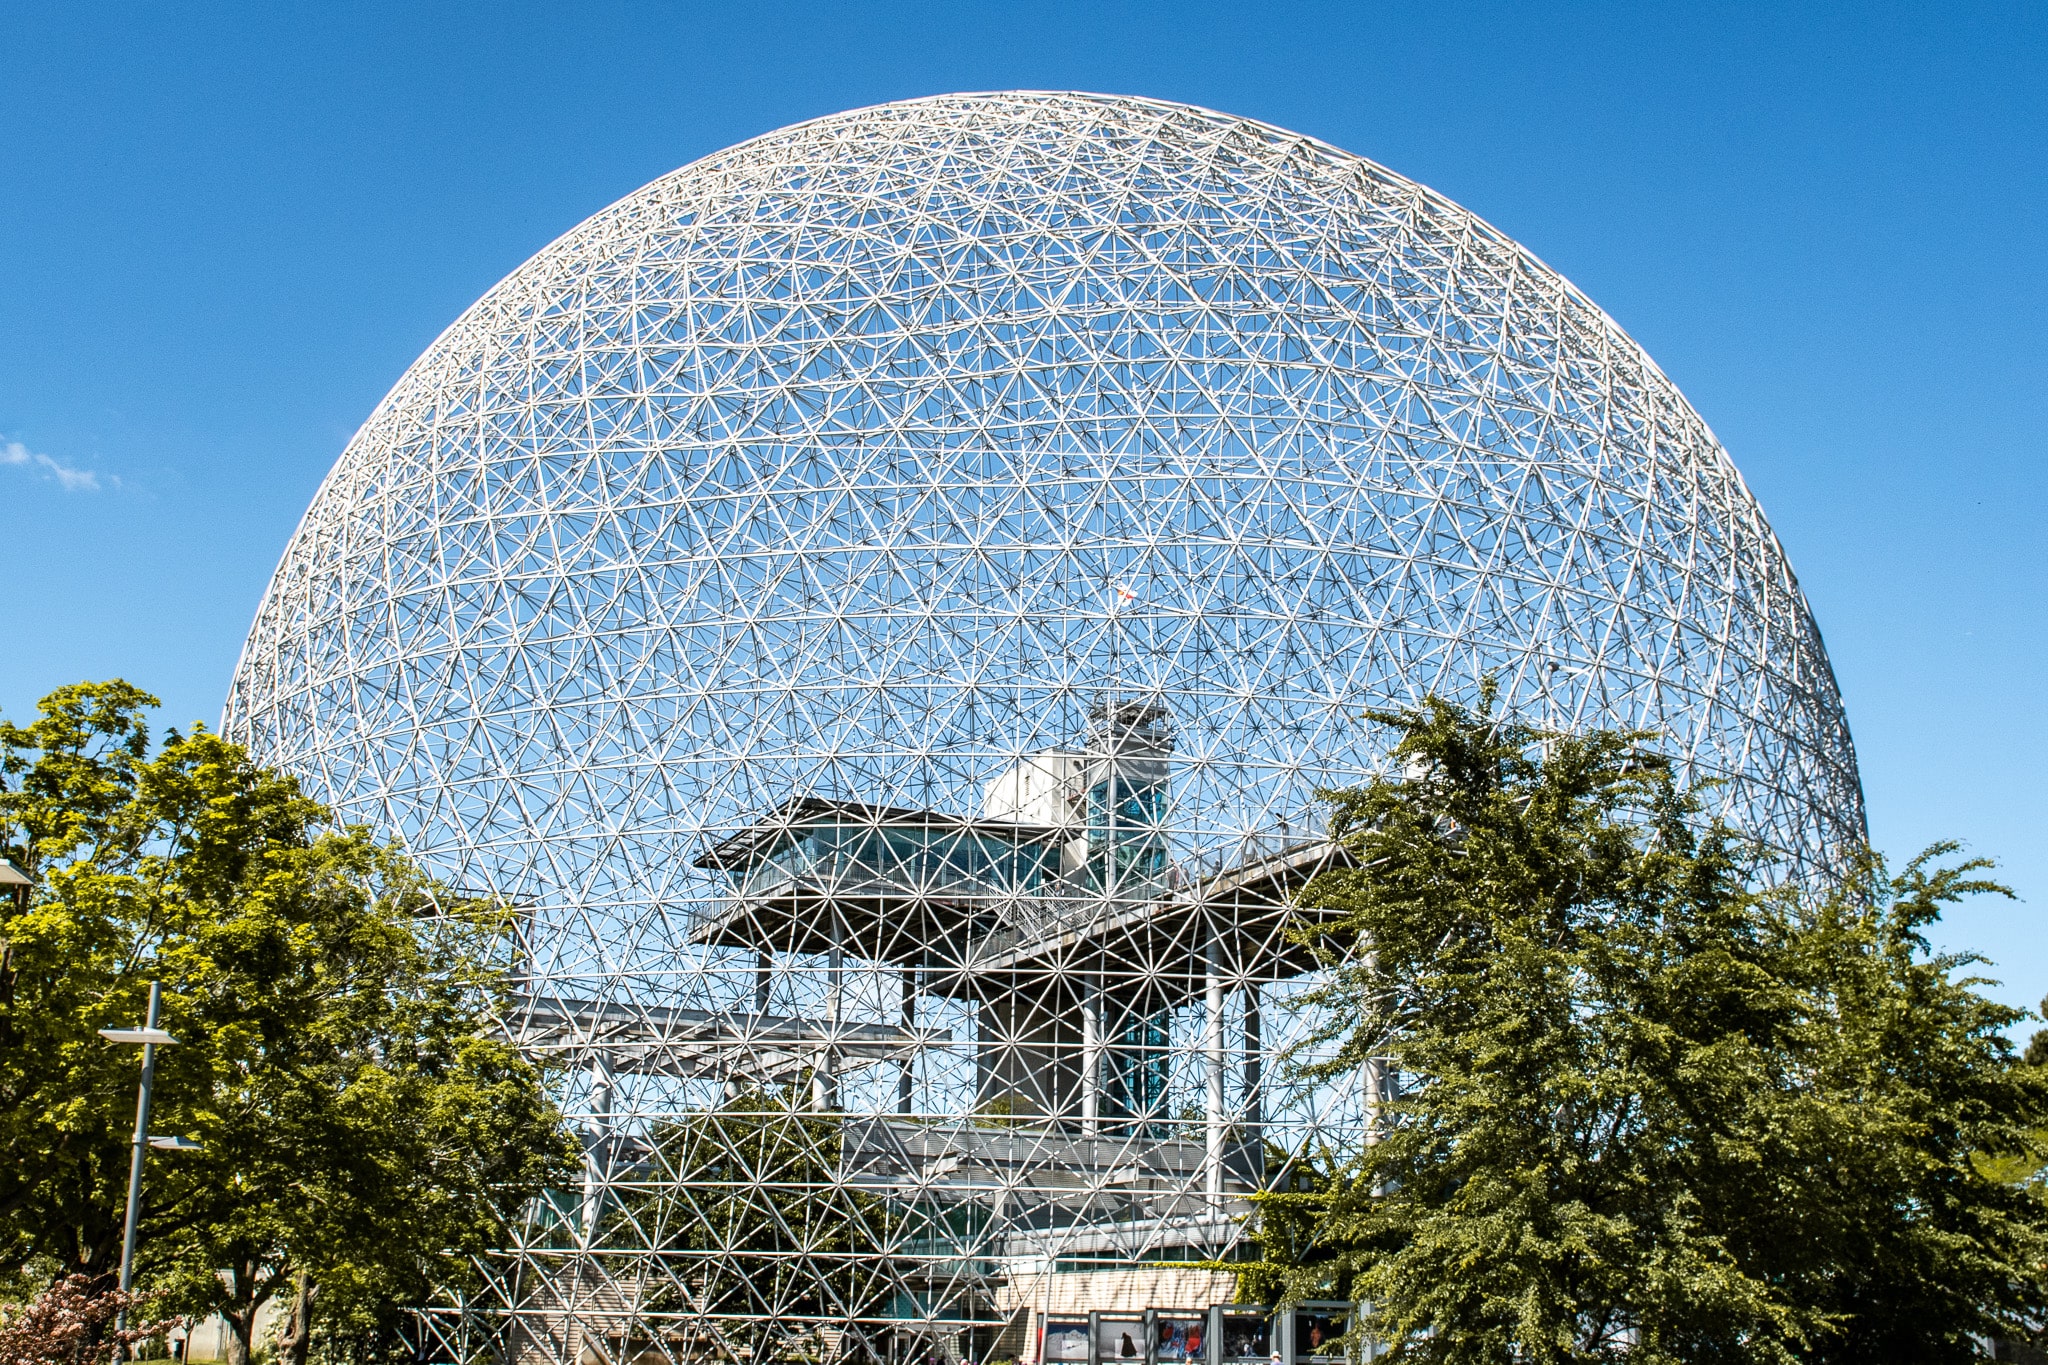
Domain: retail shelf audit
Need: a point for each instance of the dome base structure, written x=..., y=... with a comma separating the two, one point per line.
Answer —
x=882, y=600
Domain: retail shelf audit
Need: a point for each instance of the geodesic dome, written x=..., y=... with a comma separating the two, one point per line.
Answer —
x=882, y=598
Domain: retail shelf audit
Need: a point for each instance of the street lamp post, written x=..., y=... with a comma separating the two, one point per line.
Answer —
x=151, y=1037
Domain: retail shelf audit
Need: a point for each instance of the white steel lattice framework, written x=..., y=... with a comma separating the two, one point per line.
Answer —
x=882, y=598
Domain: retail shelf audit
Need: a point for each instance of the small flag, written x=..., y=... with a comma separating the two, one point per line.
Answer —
x=1125, y=593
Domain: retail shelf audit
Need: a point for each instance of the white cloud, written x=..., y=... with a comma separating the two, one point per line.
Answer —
x=69, y=479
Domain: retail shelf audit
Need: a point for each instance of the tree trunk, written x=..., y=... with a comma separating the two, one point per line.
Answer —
x=240, y=1314
x=241, y=1322
x=298, y=1328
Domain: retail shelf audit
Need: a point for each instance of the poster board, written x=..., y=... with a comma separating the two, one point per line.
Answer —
x=1317, y=1326
x=1245, y=1334
x=1064, y=1339
x=1179, y=1335
x=1119, y=1340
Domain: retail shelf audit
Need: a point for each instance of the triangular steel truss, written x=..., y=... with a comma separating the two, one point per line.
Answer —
x=883, y=598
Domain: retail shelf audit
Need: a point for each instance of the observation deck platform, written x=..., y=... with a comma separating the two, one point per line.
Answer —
x=973, y=944
x=1029, y=1158
x=688, y=1044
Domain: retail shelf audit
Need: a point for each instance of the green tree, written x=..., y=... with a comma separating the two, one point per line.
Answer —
x=74, y=817
x=748, y=1206
x=1916, y=1243
x=363, y=1126
x=1645, y=1107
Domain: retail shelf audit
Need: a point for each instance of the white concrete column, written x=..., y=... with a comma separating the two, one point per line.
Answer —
x=825, y=1079
x=906, y=1076
x=1254, y=1065
x=597, y=1144
x=1091, y=1056
x=1213, y=1046
x=1372, y=1081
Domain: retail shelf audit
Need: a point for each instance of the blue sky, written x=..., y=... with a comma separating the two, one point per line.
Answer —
x=225, y=231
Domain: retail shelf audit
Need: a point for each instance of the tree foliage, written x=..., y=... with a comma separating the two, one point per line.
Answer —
x=359, y=1116
x=1646, y=1107
x=73, y=815
x=754, y=1186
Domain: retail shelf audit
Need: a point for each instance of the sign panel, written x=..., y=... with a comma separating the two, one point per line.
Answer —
x=1120, y=1340
x=1179, y=1334
x=1316, y=1329
x=1064, y=1339
x=1246, y=1336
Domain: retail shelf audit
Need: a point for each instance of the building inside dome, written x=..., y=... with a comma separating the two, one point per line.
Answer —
x=882, y=601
